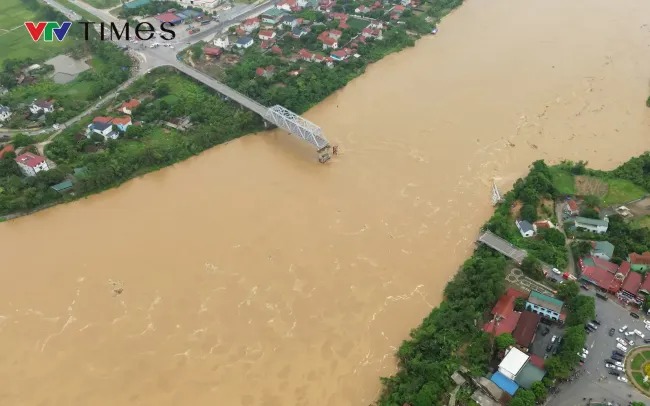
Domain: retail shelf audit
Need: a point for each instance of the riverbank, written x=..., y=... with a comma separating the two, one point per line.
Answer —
x=450, y=336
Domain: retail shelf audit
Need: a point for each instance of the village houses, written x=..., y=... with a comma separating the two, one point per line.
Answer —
x=221, y=42
x=5, y=113
x=244, y=42
x=330, y=39
x=41, y=106
x=31, y=164
x=266, y=35
x=128, y=106
x=250, y=25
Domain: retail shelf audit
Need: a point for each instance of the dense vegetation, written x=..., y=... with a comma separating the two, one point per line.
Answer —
x=316, y=81
x=109, y=67
x=636, y=170
x=449, y=336
x=141, y=149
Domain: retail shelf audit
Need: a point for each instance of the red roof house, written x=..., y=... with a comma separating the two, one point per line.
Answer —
x=102, y=120
x=128, y=106
x=645, y=286
x=29, y=159
x=212, y=51
x=640, y=259
x=276, y=50
x=604, y=274
x=524, y=332
x=505, y=317
x=572, y=207
x=631, y=285
x=169, y=18
x=7, y=148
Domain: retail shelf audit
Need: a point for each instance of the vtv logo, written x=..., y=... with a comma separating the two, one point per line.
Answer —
x=48, y=30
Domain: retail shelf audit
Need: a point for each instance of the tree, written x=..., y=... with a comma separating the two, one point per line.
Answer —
x=638, y=403
x=592, y=201
x=553, y=236
x=532, y=268
x=590, y=213
x=568, y=291
x=528, y=212
x=504, y=341
x=523, y=397
x=520, y=304
x=581, y=248
x=539, y=390
x=97, y=138
x=21, y=140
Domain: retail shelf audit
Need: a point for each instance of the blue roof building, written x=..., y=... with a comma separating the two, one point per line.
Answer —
x=507, y=385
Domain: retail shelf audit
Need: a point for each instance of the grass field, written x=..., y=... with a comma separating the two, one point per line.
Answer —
x=641, y=222
x=15, y=43
x=104, y=3
x=357, y=24
x=638, y=361
x=563, y=181
x=622, y=191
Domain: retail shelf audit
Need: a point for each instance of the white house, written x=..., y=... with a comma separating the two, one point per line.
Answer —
x=221, y=42
x=250, y=25
x=105, y=129
x=362, y=9
x=5, y=113
x=39, y=106
x=513, y=363
x=525, y=228
x=593, y=225
x=31, y=164
x=244, y=42
x=266, y=35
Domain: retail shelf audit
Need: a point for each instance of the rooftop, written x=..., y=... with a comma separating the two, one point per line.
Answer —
x=6, y=149
x=100, y=126
x=514, y=360
x=63, y=186
x=273, y=12
x=526, y=328
x=591, y=222
x=30, y=159
x=603, y=247
x=136, y=3
x=528, y=375
x=244, y=40
x=632, y=283
x=167, y=18
x=545, y=301
x=640, y=259
x=525, y=226
x=504, y=383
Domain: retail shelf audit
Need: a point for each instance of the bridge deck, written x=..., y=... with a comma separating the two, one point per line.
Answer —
x=499, y=244
x=223, y=89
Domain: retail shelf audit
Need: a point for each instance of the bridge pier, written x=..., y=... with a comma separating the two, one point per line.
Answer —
x=324, y=154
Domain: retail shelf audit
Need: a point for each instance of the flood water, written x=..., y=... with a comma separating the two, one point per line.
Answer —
x=252, y=275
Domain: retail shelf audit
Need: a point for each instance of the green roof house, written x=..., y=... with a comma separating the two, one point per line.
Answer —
x=594, y=225
x=544, y=305
x=136, y=4
x=272, y=16
x=63, y=187
x=603, y=249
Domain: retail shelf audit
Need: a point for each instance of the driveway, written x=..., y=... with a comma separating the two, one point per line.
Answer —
x=594, y=381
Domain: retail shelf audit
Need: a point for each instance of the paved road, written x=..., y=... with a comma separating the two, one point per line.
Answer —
x=596, y=382
x=149, y=58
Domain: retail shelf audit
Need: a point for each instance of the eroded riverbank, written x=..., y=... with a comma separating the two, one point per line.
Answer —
x=254, y=276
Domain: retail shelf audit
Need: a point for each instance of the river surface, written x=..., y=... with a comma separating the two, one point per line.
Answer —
x=252, y=275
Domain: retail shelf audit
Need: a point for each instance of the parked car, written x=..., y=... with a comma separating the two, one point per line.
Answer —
x=636, y=316
x=621, y=347
x=611, y=332
x=610, y=366
x=596, y=322
x=585, y=287
x=618, y=363
x=620, y=341
x=545, y=331
x=639, y=333
x=615, y=373
x=620, y=369
x=647, y=340
x=622, y=329
x=622, y=379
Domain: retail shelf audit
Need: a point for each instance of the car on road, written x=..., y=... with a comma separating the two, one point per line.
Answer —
x=611, y=332
x=636, y=316
x=622, y=329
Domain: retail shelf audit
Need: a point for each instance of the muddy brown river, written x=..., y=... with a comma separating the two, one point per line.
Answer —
x=252, y=275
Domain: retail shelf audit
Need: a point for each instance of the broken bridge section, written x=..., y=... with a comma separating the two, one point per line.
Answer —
x=300, y=127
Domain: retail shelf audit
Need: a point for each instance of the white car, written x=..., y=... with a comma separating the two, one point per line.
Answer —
x=610, y=366
x=622, y=379
x=621, y=341
x=622, y=329
x=631, y=343
x=620, y=369
x=629, y=333
x=621, y=347
x=640, y=334
x=557, y=271
x=618, y=363
x=583, y=355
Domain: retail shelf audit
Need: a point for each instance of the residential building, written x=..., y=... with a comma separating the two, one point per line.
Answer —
x=63, y=187
x=276, y=50
x=362, y=9
x=547, y=306
x=31, y=164
x=339, y=56
x=244, y=42
x=512, y=363
x=305, y=55
x=128, y=106
x=605, y=275
x=299, y=32
x=504, y=383
x=212, y=52
x=266, y=35
x=602, y=249
x=504, y=316
x=41, y=106
x=272, y=16
x=330, y=39
x=524, y=332
x=105, y=129
x=631, y=285
x=5, y=113
x=640, y=262
x=525, y=228
x=221, y=42
x=594, y=225
x=372, y=33
x=542, y=224
x=267, y=44
x=122, y=123
x=136, y=4
x=291, y=5
x=169, y=18
x=266, y=72
x=645, y=286
x=250, y=25
x=571, y=207
x=531, y=372
x=291, y=21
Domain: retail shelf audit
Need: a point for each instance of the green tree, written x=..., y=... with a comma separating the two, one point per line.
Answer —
x=523, y=397
x=581, y=248
x=592, y=201
x=528, y=212
x=540, y=391
x=520, y=304
x=553, y=236
x=590, y=213
x=532, y=268
x=638, y=403
x=504, y=341
x=21, y=140
x=568, y=291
